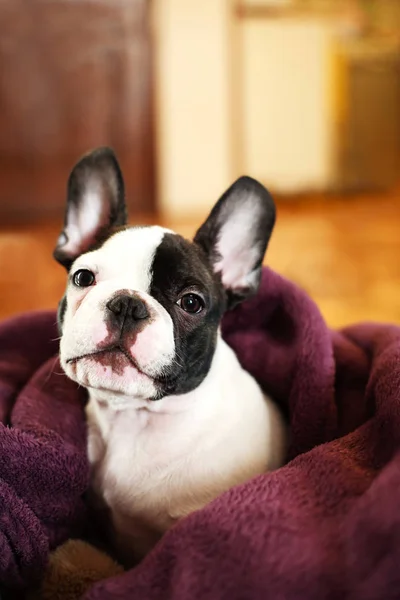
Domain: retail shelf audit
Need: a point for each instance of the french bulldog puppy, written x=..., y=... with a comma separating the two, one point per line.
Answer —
x=173, y=419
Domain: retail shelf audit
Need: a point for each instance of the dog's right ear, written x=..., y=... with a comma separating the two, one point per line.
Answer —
x=95, y=205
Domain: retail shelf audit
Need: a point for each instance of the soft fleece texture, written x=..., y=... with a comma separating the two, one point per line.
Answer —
x=325, y=526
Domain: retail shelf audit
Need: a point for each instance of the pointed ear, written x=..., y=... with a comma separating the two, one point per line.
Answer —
x=235, y=237
x=95, y=204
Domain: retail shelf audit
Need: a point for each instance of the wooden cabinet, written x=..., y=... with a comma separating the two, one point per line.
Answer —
x=74, y=74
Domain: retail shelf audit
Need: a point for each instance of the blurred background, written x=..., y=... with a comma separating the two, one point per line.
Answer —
x=302, y=94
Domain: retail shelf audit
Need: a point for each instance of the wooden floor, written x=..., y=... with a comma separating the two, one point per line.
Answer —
x=345, y=252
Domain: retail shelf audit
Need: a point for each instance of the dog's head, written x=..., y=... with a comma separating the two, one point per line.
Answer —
x=142, y=308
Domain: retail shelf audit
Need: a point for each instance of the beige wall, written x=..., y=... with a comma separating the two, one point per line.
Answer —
x=238, y=96
x=287, y=125
x=192, y=89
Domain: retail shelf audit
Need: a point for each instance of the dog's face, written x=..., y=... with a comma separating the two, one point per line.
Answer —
x=143, y=305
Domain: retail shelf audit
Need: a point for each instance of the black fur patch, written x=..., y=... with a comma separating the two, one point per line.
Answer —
x=180, y=266
x=62, y=307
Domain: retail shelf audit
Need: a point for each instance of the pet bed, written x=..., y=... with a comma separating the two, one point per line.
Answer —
x=325, y=526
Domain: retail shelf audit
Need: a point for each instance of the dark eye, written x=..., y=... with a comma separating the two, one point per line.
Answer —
x=83, y=278
x=191, y=303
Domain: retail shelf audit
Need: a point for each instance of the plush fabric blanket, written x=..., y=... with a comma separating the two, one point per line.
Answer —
x=325, y=526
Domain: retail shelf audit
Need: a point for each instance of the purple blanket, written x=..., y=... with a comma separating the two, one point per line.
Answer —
x=325, y=526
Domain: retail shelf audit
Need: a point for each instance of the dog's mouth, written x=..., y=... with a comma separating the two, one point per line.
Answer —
x=117, y=351
x=116, y=357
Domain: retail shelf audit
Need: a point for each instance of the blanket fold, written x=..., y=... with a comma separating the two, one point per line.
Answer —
x=326, y=525
x=43, y=467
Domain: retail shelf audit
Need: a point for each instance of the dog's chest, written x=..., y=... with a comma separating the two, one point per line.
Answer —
x=150, y=470
x=151, y=467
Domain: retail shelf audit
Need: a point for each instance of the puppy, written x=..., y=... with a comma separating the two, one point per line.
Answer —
x=173, y=419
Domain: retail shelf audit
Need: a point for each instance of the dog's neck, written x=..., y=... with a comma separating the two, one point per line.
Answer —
x=207, y=399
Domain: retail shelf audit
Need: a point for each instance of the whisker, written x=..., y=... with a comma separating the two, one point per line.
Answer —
x=51, y=371
x=179, y=360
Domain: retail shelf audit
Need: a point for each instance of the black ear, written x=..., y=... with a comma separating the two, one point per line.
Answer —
x=236, y=234
x=95, y=204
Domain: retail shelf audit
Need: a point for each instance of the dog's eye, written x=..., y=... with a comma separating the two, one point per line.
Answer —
x=191, y=303
x=83, y=278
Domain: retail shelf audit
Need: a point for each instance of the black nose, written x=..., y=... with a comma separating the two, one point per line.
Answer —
x=128, y=307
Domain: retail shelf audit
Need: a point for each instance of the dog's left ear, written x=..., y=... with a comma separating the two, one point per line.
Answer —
x=95, y=204
x=235, y=237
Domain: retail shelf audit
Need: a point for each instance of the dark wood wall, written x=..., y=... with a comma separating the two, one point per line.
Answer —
x=74, y=74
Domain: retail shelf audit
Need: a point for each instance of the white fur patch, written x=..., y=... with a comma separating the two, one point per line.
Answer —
x=123, y=263
x=127, y=257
